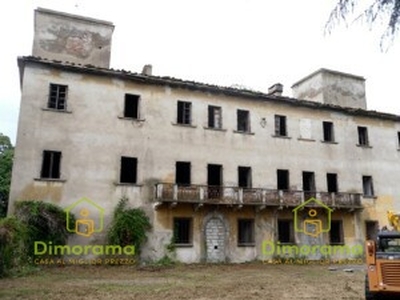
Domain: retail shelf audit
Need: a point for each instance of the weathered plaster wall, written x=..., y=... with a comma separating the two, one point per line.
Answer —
x=331, y=87
x=67, y=37
x=92, y=137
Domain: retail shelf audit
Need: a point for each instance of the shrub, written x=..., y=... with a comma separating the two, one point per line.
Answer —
x=45, y=222
x=13, y=245
x=128, y=227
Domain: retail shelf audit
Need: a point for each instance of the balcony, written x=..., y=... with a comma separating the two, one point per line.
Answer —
x=261, y=198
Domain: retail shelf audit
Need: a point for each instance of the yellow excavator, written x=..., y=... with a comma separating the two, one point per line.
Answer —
x=383, y=262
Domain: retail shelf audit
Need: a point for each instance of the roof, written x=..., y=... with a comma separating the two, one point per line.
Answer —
x=198, y=86
x=323, y=70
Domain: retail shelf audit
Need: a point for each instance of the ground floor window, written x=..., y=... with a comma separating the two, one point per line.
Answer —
x=285, y=231
x=336, y=232
x=183, y=231
x=246, y=232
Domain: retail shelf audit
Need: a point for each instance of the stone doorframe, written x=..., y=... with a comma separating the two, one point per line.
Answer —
x=224, y=252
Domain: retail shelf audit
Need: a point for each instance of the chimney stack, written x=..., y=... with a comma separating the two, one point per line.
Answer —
x=276, y=89
x=147, y=70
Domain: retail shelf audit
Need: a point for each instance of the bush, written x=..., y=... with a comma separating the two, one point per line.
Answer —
x=128, y=227
x=45, y=222
x=13, y=245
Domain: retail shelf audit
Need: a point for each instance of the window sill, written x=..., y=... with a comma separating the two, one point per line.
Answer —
x=183, y=245
x=370, y=196
x=281, y=136
x=329, y=142
x=50, y=179
x=217, y=129
x=337, y=244
x=184, y=125
x=57, y=110
x=131, y=119
x=244, y=132
x=364, y=146
x=305, y=139
x=127, y=184
x=247, y=245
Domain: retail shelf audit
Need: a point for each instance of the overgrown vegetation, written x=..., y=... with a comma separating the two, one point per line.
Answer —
x=128, y=227
x=6, y=161
x=33, y=221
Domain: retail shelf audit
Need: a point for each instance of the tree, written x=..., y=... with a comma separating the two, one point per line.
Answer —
x=6, y=161
x=387, y=11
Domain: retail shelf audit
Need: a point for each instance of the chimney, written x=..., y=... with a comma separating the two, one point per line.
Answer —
x=147, y=70
x=276, y=89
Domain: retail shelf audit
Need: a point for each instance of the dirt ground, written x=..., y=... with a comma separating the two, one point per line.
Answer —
x=222, y=281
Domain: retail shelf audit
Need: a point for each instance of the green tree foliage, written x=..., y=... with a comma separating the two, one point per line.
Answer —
x=6, y=160
x=45, y=222
x=128, y=227
x=13, y=252
x=387, y=11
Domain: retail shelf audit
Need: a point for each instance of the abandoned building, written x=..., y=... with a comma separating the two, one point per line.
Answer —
x=218, y=170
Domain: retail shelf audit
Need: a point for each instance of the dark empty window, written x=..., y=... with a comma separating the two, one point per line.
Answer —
x=128, y=170
x=363, y=136
x=280, y=125
x=282, y=179
x=368, y=187
x=57, y=97
x=308, y=185
x=285, y=231
x=398, y=139
x=51, y=164
x=246, y=232
x=131, y=109
x=243, y=120
x=328, y=131
x=183, y=231
x=184, y=113
x=182, y=173
x=331, y=180
x=336, y=232
x=244, y=174
x=214, y=117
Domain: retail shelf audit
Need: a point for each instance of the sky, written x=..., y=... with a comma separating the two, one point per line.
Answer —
x=250, y=43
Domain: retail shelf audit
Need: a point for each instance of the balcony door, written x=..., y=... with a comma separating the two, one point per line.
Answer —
x=214, y=181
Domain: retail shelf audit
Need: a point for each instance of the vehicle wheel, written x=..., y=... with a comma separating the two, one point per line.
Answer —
x=368, y=294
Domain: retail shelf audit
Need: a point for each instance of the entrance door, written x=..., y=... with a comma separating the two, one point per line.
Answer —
x=214, y=181
x=215, y=240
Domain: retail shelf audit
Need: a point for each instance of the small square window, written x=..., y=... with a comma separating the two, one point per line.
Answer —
x=57, y=97
x=280, y=125
x=131, y=108
x=243, y=120
x=183, y=231
x=184, y=113
x=246, y=232
x=51, y=164
x=128, y=170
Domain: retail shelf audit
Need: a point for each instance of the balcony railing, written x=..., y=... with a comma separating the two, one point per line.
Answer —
x=225, y=195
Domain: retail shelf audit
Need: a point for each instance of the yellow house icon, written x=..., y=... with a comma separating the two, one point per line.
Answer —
x=312, y=226
x=85, y=225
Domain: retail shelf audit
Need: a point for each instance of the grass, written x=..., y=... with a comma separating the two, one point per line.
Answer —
x=222, y=281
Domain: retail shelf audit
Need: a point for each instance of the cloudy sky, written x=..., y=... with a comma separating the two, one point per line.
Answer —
x=253, y=43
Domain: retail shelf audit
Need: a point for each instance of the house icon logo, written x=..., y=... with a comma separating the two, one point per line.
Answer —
x=312, y=224
x=85, y=224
